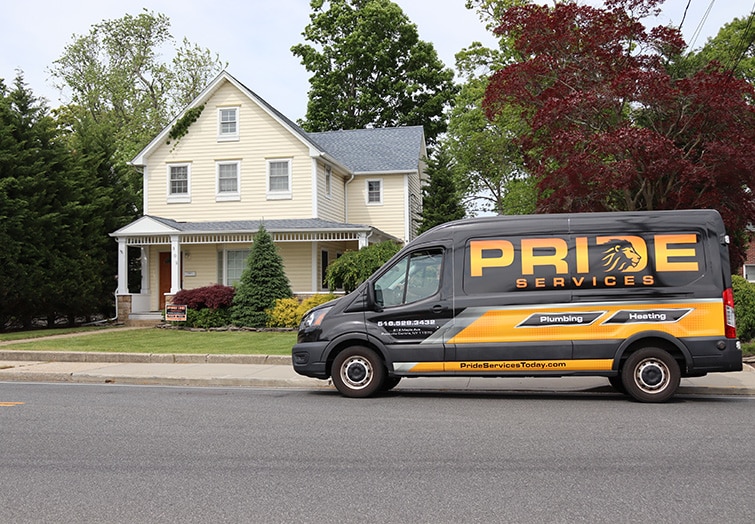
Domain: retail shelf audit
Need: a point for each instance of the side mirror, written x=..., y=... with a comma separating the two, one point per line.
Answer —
x=373, y=298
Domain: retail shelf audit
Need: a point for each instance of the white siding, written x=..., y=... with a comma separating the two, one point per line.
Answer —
x=389, y=216
x=261, y=138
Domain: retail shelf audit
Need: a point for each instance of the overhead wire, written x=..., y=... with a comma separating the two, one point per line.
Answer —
x=701, y=24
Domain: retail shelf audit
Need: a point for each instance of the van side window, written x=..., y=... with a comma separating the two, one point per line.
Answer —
x=412, y=278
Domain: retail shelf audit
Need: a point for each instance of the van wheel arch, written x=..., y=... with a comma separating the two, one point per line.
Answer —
x=346, y=344
x=658, y=340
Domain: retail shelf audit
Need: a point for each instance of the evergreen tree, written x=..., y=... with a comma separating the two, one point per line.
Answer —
x=262, y=283
x=440, y=198
x=48, y=212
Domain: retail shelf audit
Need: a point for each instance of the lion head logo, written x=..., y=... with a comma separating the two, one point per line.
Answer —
x=620, y=256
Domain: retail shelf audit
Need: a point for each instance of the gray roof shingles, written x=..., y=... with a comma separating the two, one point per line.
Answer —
x=374, y=150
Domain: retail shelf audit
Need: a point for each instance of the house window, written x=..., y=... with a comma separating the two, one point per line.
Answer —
x=375, y=192
x=328, y=180
x=231, y=264
x=228, y=123
x=179, y=183
x=749, y=272
x=228, y=175
x=278, y=179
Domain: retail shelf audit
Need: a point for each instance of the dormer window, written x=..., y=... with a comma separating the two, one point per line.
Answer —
x=228, y=123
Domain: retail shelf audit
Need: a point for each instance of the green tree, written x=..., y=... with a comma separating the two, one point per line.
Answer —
x=733, y=49
x=51, y=208
x=369, y=68
x=440, y=197
x=118, y=82
x=262, y=283
x=354, y=267
x=489, y=160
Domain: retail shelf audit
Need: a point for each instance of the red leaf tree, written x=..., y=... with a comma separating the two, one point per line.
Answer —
x=612, y=127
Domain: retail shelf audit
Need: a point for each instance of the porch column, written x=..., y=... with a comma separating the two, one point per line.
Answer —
x=122, y=267
x=362, y=240
x=144, y=259
x=175, y=262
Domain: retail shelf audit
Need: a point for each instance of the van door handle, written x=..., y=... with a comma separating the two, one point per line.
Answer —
x=438, y=309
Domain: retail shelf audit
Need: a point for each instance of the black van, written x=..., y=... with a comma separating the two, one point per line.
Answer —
x=642, y=298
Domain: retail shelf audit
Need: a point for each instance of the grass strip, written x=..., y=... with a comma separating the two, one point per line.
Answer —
x=151, y=340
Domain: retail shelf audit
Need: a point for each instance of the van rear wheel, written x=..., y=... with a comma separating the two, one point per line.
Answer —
x=357, y=372
x=651, y=375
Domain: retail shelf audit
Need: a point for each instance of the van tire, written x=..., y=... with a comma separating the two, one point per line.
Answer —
x=618, y=384
x=389, y=383
x=651, y=375
x=357, y=372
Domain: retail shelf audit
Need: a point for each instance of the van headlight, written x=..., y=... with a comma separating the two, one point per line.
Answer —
x=314, y=318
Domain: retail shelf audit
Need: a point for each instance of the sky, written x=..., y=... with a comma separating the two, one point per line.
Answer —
x=255, y=36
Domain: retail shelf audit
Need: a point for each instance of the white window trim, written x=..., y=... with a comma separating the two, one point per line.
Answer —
x=227, y=196
x=228, y=137
x=178, y=198
x=278, y=195
x=224, y=263
x=367, y=191
x=749, y=275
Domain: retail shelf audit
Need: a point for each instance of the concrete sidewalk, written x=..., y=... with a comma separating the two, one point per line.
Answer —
x=276, y=372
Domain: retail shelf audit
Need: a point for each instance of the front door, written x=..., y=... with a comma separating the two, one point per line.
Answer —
x=165, y=276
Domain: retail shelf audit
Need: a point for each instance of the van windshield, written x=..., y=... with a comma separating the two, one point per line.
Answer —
x=414, y=277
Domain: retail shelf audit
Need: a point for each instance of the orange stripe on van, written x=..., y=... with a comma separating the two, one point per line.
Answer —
x=704, y=319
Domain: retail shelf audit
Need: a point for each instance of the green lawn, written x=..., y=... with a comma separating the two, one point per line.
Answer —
x=152, y=340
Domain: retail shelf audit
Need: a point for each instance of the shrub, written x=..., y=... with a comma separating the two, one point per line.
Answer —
x=214, y=297
x=284, y=313
x=309, y=303
x=744, y=306
x=212, y=318
x=288, y=312
x=208, y=306
x=354, y=267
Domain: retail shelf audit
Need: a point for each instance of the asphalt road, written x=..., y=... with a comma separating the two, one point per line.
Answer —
x=84, y=453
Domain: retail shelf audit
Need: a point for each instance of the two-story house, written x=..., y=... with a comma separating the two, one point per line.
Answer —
x=241, y=163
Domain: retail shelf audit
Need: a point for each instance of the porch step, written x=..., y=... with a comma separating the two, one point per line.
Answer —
x=145, y=318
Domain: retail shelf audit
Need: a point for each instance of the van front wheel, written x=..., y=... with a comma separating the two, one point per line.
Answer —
x=357, y=372
x=651, y=375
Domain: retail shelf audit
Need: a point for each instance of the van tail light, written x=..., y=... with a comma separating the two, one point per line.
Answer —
x=730, y=330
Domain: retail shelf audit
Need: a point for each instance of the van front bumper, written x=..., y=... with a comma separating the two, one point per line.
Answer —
x=307, y=359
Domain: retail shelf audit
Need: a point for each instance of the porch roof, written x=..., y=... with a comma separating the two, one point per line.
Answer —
x=151, y=230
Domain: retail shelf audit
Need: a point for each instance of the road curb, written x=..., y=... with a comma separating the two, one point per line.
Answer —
x=142, y=358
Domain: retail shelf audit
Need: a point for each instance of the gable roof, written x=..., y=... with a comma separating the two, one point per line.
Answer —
x=372, y=150
x=141, y=158
x=396, y=149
